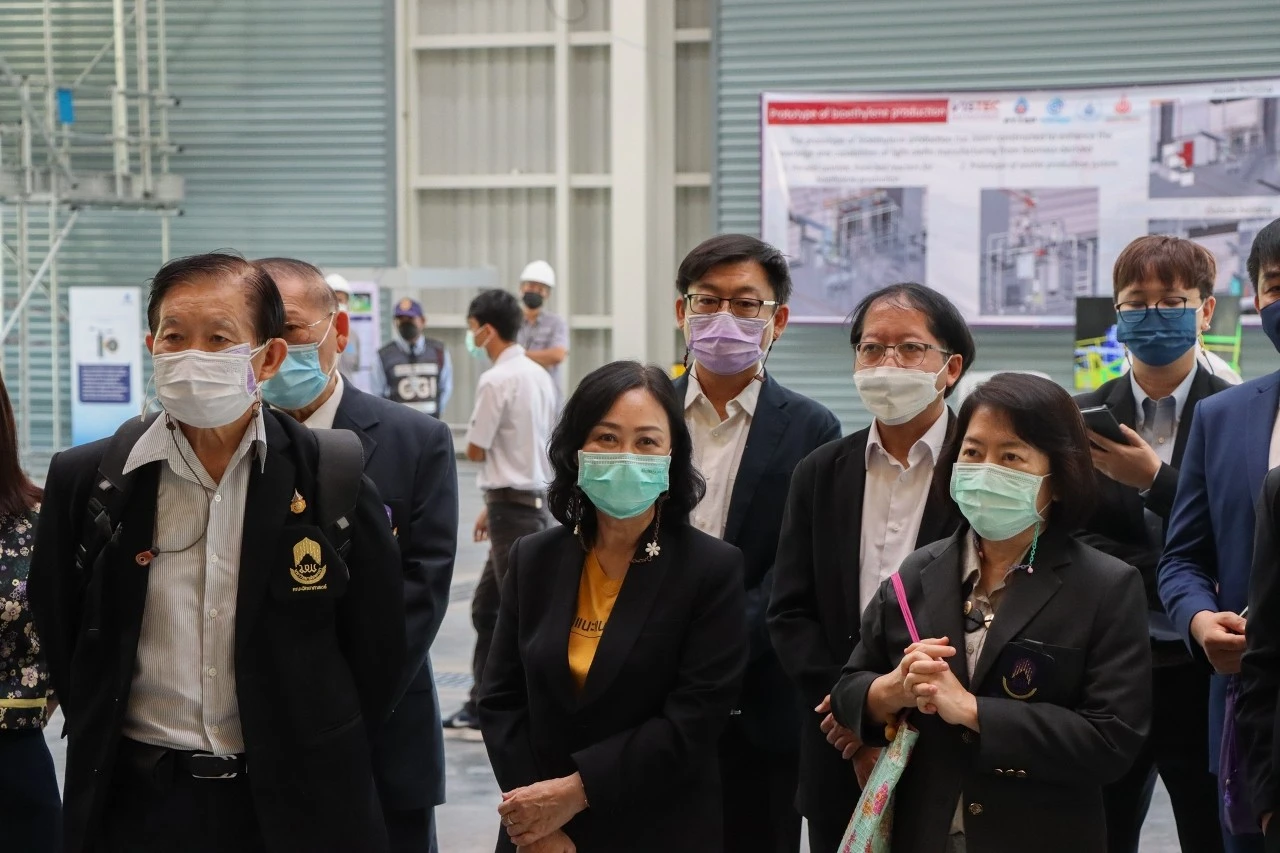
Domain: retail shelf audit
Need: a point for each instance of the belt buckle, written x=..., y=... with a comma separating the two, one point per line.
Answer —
x=205, y=765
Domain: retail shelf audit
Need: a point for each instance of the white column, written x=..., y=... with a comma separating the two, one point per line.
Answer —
x=642, y=95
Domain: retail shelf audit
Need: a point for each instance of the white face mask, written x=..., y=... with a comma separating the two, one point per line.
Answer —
x=895, y=395
x=206, y=389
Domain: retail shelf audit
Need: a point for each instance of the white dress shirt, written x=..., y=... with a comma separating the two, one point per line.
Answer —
x=717, y=449
x=514, y=414
x=893, y=500
x=322, y=418
x=184, y=679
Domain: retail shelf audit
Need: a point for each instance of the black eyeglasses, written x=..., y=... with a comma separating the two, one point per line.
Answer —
x=1169, y=308
x=740, y=306
x=907, y=353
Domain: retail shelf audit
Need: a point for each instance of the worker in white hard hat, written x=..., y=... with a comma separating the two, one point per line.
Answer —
x=544, y=335
x=349, y=359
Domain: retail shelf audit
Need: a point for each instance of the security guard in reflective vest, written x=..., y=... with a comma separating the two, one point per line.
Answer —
x=416, y=370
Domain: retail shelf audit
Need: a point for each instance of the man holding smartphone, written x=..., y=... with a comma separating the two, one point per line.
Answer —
x=1139, y=428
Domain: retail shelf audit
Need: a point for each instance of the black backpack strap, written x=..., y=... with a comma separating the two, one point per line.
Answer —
x=339, y=470
x=110, y=491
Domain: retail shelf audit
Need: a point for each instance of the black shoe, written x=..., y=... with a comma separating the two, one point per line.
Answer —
x=463, y=719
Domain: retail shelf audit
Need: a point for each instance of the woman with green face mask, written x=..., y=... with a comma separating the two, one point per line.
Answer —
x=621, y=639
x=1029, y=687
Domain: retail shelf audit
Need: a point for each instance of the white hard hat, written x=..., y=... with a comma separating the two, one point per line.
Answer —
x=338, y=283
x=539, y=271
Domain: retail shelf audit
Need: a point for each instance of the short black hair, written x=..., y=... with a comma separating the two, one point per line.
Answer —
x=944, y=319
x=1043, y=415
x=1265, y=250
x=592, y=400
x=309, y=274
x=732, y=249
x=261, y=293
x=499, y=309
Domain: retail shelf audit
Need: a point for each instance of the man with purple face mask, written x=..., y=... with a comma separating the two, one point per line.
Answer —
x=748, y=433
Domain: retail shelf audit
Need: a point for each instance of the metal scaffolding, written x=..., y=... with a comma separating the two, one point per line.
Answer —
x=69, y=143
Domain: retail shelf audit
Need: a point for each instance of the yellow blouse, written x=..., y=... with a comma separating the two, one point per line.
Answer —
x=596, y=595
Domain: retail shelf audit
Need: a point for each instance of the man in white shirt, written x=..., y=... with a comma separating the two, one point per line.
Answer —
x=409, y=456
x=748, y=432
x=511, y=423
x=857, y=507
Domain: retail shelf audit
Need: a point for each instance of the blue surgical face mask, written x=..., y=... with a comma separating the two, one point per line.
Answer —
x=998, y=502
x=301, y=379
x=1271, y=323
x=622, y=485
x=475, y=349
x=1157, y=340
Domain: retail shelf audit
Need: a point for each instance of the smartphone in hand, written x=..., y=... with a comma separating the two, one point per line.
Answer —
x=1100, y=420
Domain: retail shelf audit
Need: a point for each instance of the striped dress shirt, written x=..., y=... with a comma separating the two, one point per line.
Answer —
x=184, y=684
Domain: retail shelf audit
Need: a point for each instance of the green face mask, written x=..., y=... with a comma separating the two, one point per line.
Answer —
x=622, y=485
x=998, y=502
x=476, y=351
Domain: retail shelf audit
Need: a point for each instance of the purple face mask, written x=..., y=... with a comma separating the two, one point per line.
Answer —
x=725, y=344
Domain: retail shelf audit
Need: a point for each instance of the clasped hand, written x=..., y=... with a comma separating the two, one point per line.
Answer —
x=534, y=814
x=928, y=684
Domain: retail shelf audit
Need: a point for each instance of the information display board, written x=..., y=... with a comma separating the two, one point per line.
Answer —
x=106, y=359
x=1013, y=204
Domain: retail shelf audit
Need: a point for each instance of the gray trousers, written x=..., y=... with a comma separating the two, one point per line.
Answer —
x=507, y=523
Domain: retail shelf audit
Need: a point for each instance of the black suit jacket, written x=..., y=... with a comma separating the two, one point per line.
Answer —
x=785, y=428
x=1119, y=527
x=814, y=615
x=1256, y=706
x=1032, y=778
x=409, y=456
x=643, y=732
x=314, y=673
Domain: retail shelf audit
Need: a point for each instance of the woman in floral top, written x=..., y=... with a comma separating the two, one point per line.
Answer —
x=30, y=808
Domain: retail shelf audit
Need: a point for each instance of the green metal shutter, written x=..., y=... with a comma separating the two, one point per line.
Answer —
x=821, y=45
x=287, y=120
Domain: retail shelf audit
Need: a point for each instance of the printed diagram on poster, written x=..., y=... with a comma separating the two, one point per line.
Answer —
x=1013, y=204
x=106, y=359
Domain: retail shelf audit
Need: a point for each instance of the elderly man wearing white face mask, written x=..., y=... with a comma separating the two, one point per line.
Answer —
x=218, y=593
x=858, y=507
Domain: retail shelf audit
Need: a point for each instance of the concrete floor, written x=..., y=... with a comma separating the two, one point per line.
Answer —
x=468, y=823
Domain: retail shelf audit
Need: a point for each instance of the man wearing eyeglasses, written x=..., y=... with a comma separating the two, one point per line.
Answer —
x=857, y=508
x=1164, y=301
x=749, y=432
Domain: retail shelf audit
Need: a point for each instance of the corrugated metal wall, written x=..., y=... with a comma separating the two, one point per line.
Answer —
x=287, y=123
x=818, y=45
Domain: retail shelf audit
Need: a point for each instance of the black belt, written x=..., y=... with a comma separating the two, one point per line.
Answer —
x=158, y=765
x=534, y=500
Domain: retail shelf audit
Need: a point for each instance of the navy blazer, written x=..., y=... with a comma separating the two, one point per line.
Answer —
x=1209, y=547
x=785, y=428
x=409, y=457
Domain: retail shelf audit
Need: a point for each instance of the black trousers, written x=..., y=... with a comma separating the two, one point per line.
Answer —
x=759, y=795
x=1177, y=750
x=164, y=811
x=825, y=836
x=30, y=808
x=411, y=830
x=507, y=523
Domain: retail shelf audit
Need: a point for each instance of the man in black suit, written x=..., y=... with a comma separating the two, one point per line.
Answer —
x=226, y=656
x=1257, y=705
x=748, y=434
x=857, y=507
x=1164, y=299
x=409, y=456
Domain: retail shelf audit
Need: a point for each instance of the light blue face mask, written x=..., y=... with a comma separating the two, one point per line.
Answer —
x=998, y=502
x=477, y=352
x=300, y=379
x=623, y=485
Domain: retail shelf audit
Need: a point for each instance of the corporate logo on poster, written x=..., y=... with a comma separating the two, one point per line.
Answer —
x=1054, y=107
x=976, y=109
x=1021, y=106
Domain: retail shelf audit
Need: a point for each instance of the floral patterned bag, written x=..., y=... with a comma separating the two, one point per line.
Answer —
x=870, y=828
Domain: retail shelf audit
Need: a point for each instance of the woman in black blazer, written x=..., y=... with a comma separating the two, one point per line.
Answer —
x=621, y=638
x=1031, y=687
